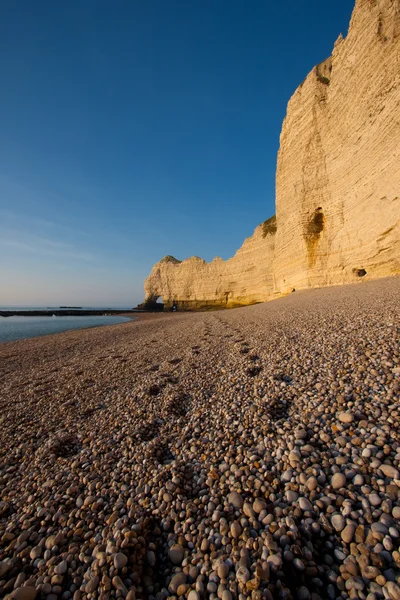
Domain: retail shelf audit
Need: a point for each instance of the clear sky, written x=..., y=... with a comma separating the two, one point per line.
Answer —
x=134, y=129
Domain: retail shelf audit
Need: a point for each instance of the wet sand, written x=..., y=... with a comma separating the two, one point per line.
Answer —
x=244, y=453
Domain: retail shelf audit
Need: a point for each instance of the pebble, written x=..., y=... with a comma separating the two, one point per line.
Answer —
x=291, y=496
x=303, y=593
x=119, y=585
x=36, y=552
x=243, y=575
x=338, y=481
x=223, y=571
x=374, y=499
x=176, y=581
x=287, y=475
x=389, y=471
x=4, y=567
x=223, y=455
x=176, y=554
x=312, y=483
x=120, y=560
x=151, y=558
x=393, y=590
x=236, y=530
x=22, y=593
x=61, y=568
x=345, y=417
x=259, y=505
x=235, y=499
x=92, y=584
x=305, y=504
x=348, y=533
x=338, y=522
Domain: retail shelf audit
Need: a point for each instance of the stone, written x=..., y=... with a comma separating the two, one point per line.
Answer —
x=374, y=499
x=235, y=499
x=305, y=504
x=151, y=558
x=248, y=509
x=36, y=552
x=294, y=458
x=22, y=593
x=61, y=568
x=303, y=593
x=393, y=590
x=345, y=417
x=338, y=481
x=242, y=575
x=223, y=571
x=312, y=483
x=287, y=475
x=236, y=529
x=259, y=505
x=92, y=584
x=291, y=496
x=176, y=581
x=176, y=554
x=274, y=561
x=338, y=522
x=4, y=567
x=120, y=560
x=348, y=533
x=389, y=471
x=119, y=584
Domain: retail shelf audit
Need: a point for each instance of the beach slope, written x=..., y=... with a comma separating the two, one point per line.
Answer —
x=243, y=453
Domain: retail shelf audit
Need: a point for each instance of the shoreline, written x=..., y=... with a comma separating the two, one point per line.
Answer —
x=241, y=453
x=84, y=328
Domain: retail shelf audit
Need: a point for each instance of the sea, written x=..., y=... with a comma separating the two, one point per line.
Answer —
x=21, y=328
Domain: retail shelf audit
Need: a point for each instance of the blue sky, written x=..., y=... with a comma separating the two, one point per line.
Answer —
x=135, y=129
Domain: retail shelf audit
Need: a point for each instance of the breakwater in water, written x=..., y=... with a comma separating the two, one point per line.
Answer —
x=70, y=312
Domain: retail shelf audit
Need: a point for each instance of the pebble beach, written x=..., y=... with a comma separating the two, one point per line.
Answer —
x=250, y=453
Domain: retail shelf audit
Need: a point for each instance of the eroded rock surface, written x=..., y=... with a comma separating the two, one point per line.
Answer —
x=338, y=172
x=245, y=278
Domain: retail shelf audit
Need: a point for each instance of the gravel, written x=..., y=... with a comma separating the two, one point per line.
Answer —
x=245, y=453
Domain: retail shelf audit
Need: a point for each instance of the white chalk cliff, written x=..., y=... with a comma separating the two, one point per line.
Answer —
x=337, y=182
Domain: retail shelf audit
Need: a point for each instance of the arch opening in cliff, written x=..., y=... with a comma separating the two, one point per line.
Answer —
x=153, y=303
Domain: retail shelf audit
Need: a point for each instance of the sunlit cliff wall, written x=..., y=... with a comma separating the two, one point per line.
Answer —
x=337, y=182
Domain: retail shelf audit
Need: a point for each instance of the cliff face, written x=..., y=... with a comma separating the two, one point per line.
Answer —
x=337, y=181
x=245, y=278
x=338, y=172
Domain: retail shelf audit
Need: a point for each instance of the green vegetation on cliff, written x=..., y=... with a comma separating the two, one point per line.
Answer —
x=269, y=226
